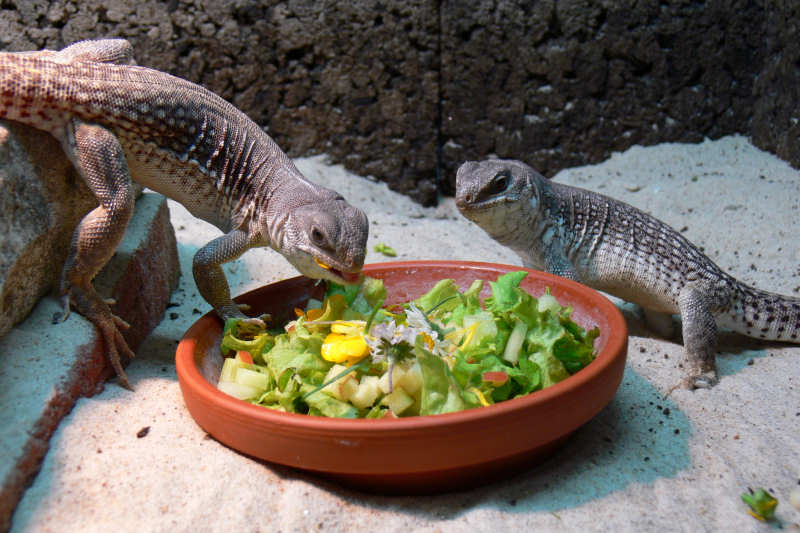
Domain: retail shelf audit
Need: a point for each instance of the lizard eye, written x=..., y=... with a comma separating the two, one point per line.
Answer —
x=318, y=237
x=499, y=182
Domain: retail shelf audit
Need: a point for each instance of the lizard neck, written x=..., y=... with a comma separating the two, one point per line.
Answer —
x=539, y=215
x=269, y=206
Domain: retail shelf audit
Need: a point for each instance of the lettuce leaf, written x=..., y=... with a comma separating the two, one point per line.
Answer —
x=443, y=297
x=322, y=404
x=468, y=303
x=505, y=292
x=440, y=391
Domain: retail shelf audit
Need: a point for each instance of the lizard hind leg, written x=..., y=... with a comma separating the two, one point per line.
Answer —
x=699, y=338
x=99, y=159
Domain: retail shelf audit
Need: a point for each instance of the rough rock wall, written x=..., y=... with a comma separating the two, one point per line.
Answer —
x=406, y=90
x=355, y=80
x=565, y=83
x=776, y=114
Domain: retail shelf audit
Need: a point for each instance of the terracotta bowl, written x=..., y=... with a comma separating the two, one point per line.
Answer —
x=421, y=454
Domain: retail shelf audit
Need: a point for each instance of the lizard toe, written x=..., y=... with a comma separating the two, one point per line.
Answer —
x=88, y=303
x=115, y=344
x=706, y=380
x=252, y=326
x=62, y=315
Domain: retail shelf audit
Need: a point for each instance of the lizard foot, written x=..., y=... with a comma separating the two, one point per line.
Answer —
x=253, y=326
x=89, y=304
x=704, y=380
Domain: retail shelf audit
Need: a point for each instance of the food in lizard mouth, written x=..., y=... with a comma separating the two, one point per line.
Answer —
x=348, y=277
x=347, y=356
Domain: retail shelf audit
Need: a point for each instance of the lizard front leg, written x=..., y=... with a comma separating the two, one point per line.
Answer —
x=210, y=278
x=99, y=159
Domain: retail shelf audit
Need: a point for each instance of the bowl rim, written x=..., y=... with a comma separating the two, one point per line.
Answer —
x=190, y=376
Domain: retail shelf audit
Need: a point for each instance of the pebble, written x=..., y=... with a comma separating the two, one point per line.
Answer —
x=794, y=498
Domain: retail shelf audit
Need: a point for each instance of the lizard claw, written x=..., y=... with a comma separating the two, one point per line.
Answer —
x=252, y=326
x=64, y=314
x=89, y=304
x=119, y=322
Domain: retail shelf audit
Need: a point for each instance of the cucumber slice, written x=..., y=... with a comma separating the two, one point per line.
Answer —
x=237, y=390
x=251, y=378
x=515, y=340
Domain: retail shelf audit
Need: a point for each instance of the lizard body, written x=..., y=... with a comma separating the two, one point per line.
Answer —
x=118, y=122
x=614, y=247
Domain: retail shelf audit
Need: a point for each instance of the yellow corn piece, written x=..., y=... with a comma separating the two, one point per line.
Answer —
x=310, y=315
x=313, y=314
x=323, y=265
x=341, y=348
x=470, y=334
x=480, y=396
x=348, y=328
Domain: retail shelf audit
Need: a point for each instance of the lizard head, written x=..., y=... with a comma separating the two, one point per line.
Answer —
x=326, y=238
x=494, y=189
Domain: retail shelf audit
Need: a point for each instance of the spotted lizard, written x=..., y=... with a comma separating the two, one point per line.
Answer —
x=118, y=123
x=617, y=248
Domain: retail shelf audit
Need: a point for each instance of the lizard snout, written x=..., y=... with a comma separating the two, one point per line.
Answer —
x=464, y=200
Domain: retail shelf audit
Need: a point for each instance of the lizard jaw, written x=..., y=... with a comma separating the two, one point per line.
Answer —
x=347, y=277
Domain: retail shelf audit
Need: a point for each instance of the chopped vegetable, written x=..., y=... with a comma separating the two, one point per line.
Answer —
x=495, y=378
x=348, y=356
x=385, y=249
x=245, y=357
x=762, y=504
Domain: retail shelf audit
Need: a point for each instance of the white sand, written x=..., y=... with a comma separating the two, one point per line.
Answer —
x=635, y=467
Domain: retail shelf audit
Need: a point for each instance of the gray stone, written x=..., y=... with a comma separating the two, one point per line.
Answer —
x=42, y=199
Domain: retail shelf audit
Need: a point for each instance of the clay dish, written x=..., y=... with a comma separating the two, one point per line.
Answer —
x=421, y=454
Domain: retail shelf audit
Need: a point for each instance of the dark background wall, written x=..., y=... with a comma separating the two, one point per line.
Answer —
x=407, y=90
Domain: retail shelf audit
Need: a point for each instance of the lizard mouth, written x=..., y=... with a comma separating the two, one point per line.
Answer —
x=348, y=277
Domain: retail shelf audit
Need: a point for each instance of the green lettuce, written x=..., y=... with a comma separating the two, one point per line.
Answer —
x=441, y=393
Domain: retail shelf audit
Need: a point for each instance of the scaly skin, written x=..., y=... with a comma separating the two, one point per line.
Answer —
x=120, y=123
x=616, y=248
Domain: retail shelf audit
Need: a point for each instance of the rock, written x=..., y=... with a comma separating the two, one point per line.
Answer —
x=42, y=199
x=45, y=368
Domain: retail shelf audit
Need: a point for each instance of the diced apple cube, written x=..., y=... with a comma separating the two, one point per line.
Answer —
x=367, y=392
x=334, y=371
x=398, y=401
x=342, y=388
x=411, y=380
x=397, y=373
x=348, y=386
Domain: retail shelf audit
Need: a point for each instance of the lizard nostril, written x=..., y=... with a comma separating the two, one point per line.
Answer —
x=468, y=198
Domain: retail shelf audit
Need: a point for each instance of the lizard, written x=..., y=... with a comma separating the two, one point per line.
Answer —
x=118, y=123
x=616, y=248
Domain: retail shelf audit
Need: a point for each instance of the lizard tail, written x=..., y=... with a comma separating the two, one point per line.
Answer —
x=765, y=315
